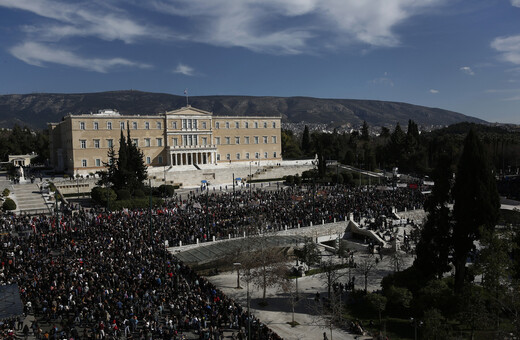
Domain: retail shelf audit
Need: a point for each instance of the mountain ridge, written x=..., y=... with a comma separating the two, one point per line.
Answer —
x=35, y=110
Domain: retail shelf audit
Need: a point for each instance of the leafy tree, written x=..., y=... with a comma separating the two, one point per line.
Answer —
x=309, y=253
x=378, y=303
x=435, y=243
x=476, y=203
x=364, y=132
x=128, y=170
x=306, y=142
x=290, y=146
x=434, y=326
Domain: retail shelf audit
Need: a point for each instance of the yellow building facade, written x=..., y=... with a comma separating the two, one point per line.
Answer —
x=79, y=144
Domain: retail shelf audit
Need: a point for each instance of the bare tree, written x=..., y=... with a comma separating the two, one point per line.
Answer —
x=265, y=265
x=366, y=265
x=397, y=260
x=330, y=274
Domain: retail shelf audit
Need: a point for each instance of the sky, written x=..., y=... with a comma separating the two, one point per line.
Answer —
x=460, y=55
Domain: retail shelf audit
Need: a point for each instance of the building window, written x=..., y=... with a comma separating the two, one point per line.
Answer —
x=96, y=143
x=257, y=155
x=109, y=125
x=274, y=154
x=184, y=124
x=160, y=160
x=98, y=162
x=237, y=140
x=135, y=141
x=218, y=157
x=134, y=125
x=256, y=125
x=246, y=125
x=159, y=141
x=110, y=143
x=147, y=142
x=237, y=125
x=228, y=157
x=204, y=140
x=227, y=125
x=265, y=155
x=217, y=140
x=265, y=125
x=189, y=123
x=175, y=142
x=247, y=155
x=256, y=139
x=148, y=160
x=174, y=125
x=84, y=163
x=217, y=125
x=274, y=125
x=122, y=125
x=273, y=139
x=264, y=139
x=195, y=124
x=246, y=140
x=82, y=125
x=185, y=140
x=96, y=126
x=228, y=140
x=147, y=125
x=83, y=143
x=204, y=125
x=238, y=156
x=159, y=125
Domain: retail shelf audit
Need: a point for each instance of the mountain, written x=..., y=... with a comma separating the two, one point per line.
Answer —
x=37, y=109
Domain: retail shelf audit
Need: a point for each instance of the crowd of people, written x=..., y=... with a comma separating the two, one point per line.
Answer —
x=93, y=274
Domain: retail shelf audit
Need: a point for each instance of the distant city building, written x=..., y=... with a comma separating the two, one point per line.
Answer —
x=79, y=144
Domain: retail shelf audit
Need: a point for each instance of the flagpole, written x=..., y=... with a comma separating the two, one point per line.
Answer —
x=186, y=93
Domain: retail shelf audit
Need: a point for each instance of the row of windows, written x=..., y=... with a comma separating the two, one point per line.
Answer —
x=228, y=125
x=122, y=125
x=98, y=162
x=187, y=124
x=256, y=140
x=110, y=143
x=238, y=156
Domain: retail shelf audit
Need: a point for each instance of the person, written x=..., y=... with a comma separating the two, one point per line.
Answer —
x=325, y=336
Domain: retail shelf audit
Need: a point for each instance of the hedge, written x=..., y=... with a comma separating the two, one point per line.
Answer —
x=9, y=204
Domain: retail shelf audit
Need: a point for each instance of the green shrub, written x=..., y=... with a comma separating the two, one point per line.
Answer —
x=139, y=193
x=101, y=195
x=167, y=190
x=9, y=204
x=123, y=195
x=6, y=192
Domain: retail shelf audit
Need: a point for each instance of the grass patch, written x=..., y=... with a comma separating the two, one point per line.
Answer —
x=293, y=323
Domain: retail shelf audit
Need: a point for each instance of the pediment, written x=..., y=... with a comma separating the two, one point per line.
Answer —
x=188, y=111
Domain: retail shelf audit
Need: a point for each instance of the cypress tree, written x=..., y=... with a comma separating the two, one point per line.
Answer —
x=476, y=203
x=306, y=141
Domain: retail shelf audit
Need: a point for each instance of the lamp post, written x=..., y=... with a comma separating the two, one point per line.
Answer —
x=237, y=266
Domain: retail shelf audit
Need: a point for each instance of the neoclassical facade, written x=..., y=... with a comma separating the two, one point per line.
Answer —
x=79, y=144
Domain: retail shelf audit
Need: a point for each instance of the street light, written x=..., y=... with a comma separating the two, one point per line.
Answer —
x=237, y=266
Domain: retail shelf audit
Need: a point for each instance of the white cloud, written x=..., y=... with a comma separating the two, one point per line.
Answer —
x=383, y=81
x=294, y=26
x=467, y=70
x=509, y=47
x=515, y=3
x=266, y=26
x=433, y=91
x=69, y=19
x=38, y=54
x=184, y=69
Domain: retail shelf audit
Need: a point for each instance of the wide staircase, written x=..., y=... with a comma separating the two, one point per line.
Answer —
x=28, y=198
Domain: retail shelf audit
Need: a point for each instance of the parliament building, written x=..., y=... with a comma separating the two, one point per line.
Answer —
x=79, y=144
